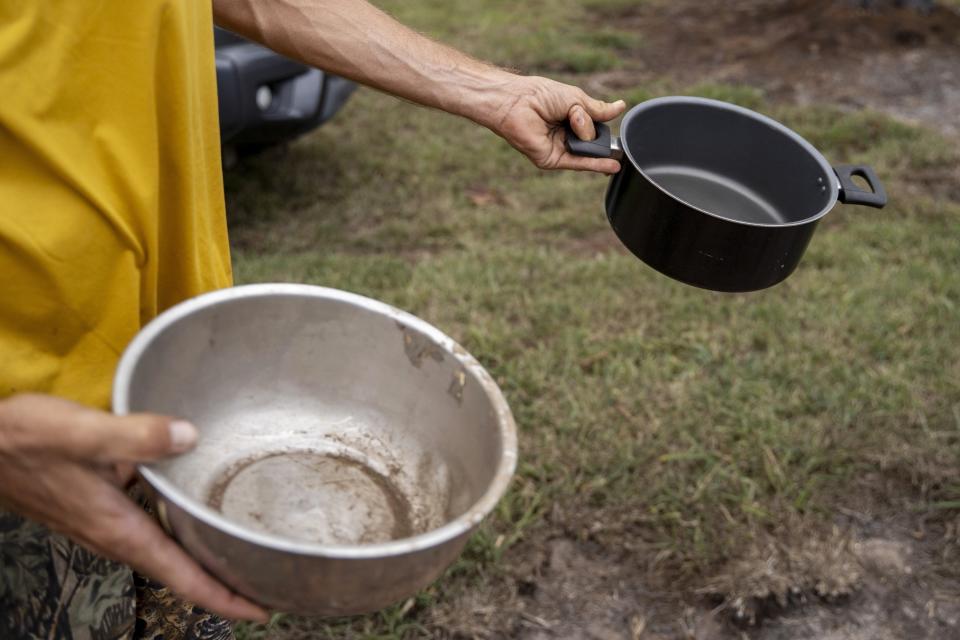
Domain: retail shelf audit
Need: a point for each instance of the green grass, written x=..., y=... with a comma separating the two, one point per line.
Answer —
x=702, y=419
x=535, y=35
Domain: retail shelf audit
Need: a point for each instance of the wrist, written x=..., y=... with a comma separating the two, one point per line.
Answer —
x=489, y=96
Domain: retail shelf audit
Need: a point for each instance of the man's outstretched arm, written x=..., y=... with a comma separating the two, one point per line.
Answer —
x=354, y=39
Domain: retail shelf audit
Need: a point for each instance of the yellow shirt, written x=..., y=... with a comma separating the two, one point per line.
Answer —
x=111, y=210
x=111, y=196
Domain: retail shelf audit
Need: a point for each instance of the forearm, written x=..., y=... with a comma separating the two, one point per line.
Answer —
x=356, y=40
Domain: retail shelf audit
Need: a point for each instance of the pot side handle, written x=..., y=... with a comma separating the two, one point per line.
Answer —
x=850, y=193
x=603, y=146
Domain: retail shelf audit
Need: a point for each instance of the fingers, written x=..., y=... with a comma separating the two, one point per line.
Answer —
x=581, y=123
x=124, y=474
x=582, y=116
x=602, y=111
x=50, y=425
x=161, y=558
x=139, y=542
x=133, y=438
x=580, y=163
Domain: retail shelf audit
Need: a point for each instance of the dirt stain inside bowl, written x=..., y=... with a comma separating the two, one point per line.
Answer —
x=312, y=496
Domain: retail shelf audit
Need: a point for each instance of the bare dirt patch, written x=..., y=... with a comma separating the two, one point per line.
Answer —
x=875, y=579
x=562, y=587
x=900, y=61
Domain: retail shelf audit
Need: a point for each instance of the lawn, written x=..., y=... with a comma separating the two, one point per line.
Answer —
x=690, y=427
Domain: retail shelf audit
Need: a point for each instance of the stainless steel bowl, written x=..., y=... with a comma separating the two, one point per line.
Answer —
x=347, y=450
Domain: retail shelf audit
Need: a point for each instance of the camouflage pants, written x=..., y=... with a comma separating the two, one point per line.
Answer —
x=53, y=589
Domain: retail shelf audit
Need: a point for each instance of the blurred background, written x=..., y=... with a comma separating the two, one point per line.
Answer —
x=773, y=465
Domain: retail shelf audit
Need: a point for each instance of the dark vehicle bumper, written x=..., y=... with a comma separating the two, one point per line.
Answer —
x=265, y=98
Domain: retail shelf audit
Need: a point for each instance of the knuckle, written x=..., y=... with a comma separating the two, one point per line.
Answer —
x=150, y=432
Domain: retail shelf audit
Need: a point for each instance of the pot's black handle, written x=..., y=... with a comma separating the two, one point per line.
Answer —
x=850, y=193
x=603, y=146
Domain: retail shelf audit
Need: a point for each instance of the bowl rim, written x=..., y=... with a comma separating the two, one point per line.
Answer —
x=204, y=514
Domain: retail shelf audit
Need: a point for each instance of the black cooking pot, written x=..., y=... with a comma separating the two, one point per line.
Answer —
x=716, y=195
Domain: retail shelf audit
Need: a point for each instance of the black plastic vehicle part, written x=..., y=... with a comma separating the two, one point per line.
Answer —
x=300, y=97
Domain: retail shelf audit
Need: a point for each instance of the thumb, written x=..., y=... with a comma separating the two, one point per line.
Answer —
x=32, y=423
x=132, y=438
x=602, y=111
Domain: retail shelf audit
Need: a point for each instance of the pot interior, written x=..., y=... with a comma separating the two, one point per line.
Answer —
x=728, y=161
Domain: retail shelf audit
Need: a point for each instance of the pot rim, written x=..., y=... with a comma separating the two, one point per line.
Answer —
x=435, y=537
x=638, y=110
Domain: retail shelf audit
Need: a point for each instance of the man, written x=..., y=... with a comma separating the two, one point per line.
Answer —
x=111, y=210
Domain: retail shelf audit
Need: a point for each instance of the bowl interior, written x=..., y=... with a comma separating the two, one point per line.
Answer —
x=323, y=420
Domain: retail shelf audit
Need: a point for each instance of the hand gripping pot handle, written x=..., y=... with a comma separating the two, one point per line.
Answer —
x=850, y=193
x=603, y=146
